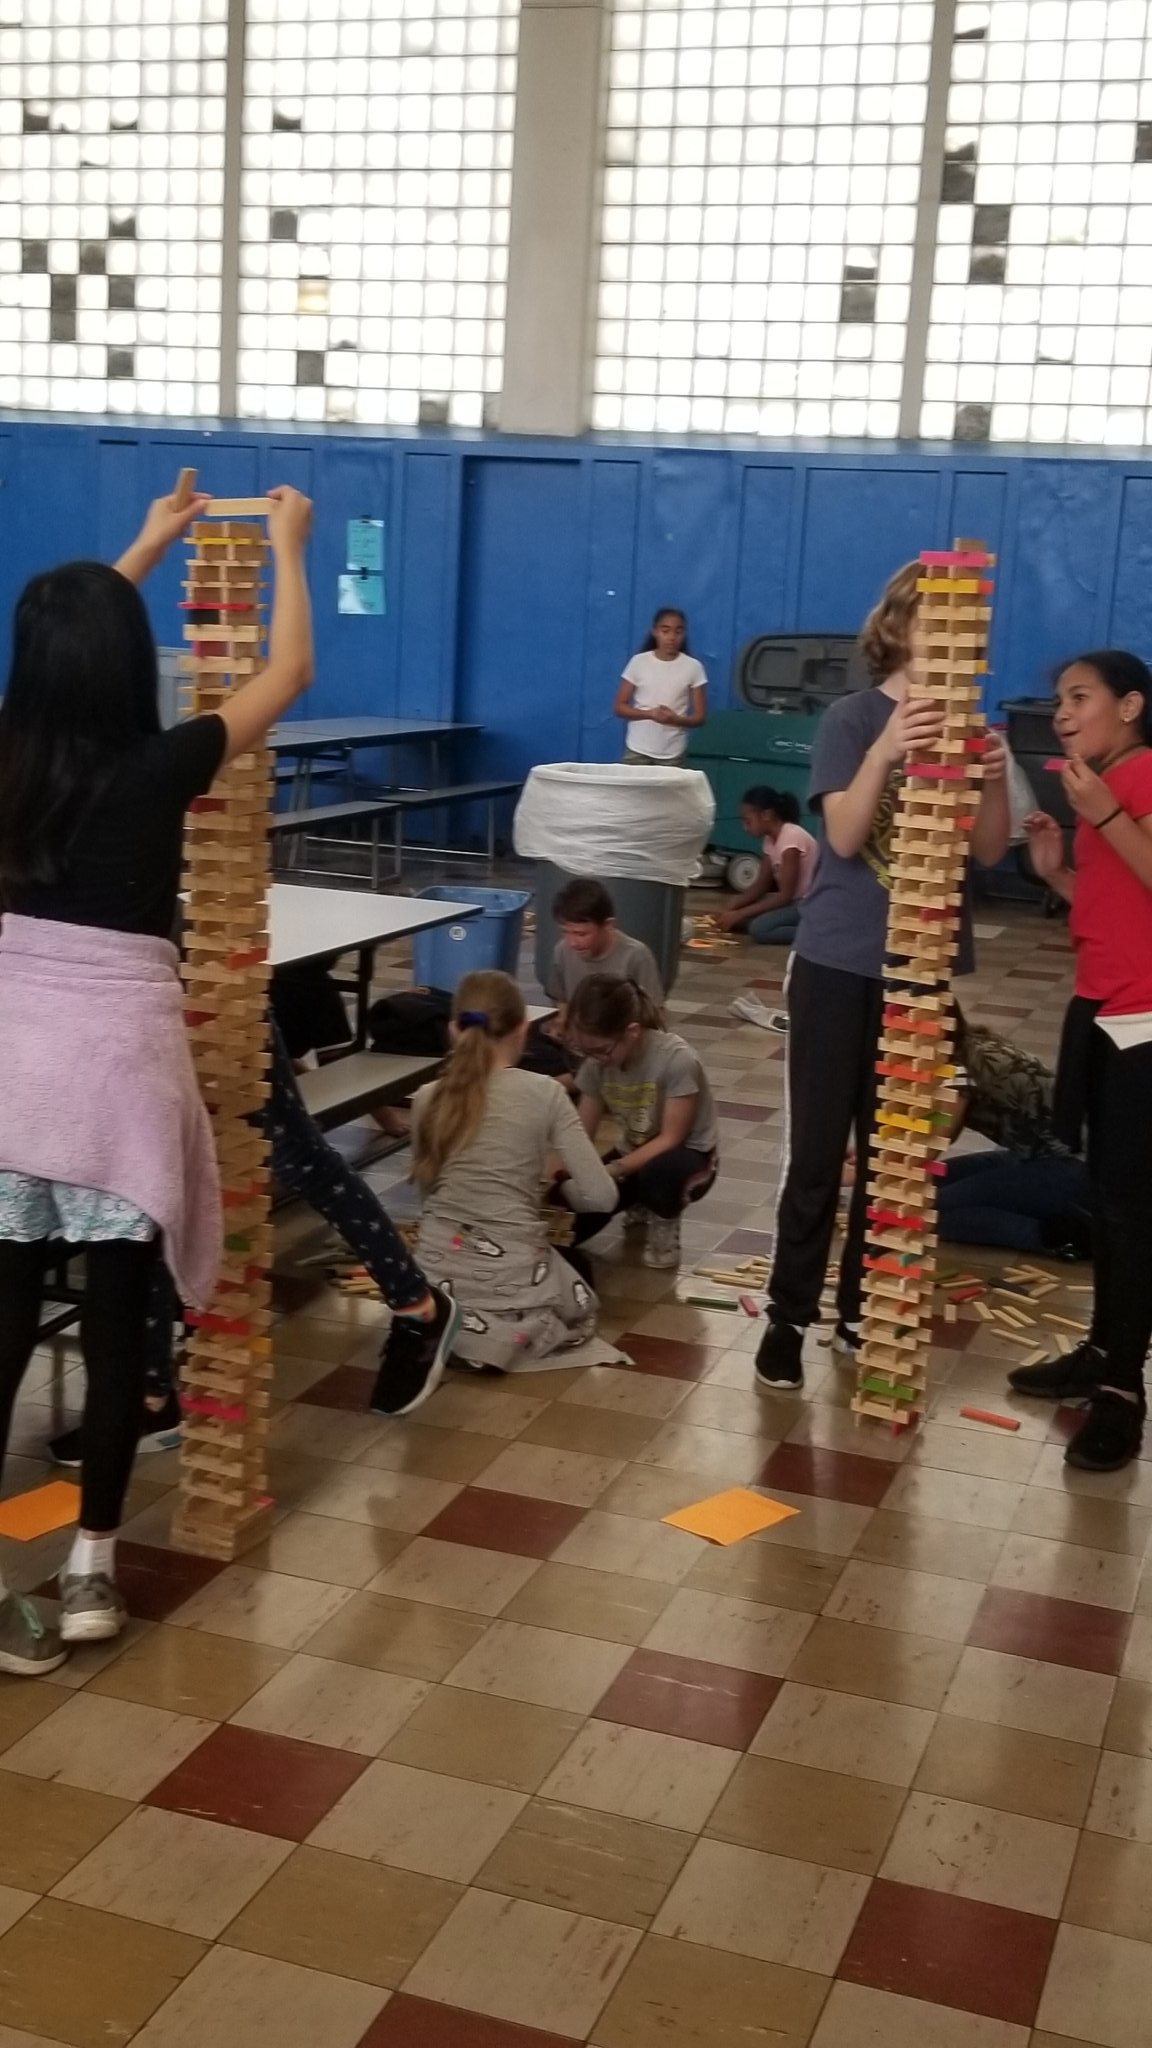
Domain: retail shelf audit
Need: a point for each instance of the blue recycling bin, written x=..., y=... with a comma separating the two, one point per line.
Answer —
x=442, y=957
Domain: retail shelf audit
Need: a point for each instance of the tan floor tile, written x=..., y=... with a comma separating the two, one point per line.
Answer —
x=771, y=1907
x=316, y=1547
x=980, y=1852
x=385, y=1499
x=835, y=1731
x=777, y=1578
x=1077, y=1518
x=648, y=1492
x=883, y=1664
x=187, y=1671
x=664, y=1779
x=831, y=1528
x=832, y=1428
x=417, y=1820
x=261, y=1607
x=918, y=1543
x=548, y=1474
x=111, y=1746
x=578, y=1860
x=523, y=1962
x=675, y=1995
x=1130, y=1721
x=638, y=1549
x=542, y=1666
x=13, y=1905
x=334, y=1433
x=481, y=1736
x=301, y=1336
x=45, y=1829
x=1040, y=1775
x=817, y=1816
x=81, y=1978
x=343, y=1915
x=635, y=1393
x=1021, y=1692
x=858, y=2017
x=737, y=1411
x=453, y=1454
x=922, y=1602
x=22, y=1708
x=174, y=1870
x=743, y=1633
x=397, y=1635
x=343, y=1706
x=609, y=1605
x=1067, y=1571
x=985, y=1453
x=235, y=1996
x=1122, y=1801
x=1100, y=1984
x=600, y=1432
x=488, y=1409
x=955, y=1497
x=724, y=1458
x=455, y=1575
x=1138, y=1654
x=1132, y=1485
x=1037, y=2039
x=1111, y=1887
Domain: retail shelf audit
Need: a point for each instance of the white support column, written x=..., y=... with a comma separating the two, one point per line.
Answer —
x=230, y=239
x=553, y=237
x=927, y=219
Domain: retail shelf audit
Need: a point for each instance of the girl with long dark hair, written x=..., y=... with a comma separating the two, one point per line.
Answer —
x=662, y=694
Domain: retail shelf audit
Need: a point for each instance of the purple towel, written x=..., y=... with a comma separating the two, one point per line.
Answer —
x=98, y=1084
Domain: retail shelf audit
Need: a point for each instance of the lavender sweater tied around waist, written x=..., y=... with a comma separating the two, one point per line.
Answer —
x=99, y=1088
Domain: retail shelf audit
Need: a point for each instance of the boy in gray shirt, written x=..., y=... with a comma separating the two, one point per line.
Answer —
x=591, y=944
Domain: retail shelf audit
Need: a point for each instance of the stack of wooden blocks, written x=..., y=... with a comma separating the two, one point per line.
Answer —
x=916, y=1101
x=229, y=1360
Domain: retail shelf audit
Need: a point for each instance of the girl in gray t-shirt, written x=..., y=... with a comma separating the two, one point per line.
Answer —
x=652, y=1082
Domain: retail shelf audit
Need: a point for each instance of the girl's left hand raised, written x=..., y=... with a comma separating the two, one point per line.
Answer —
x=164, y=522
x=995, y=756
x=1089, y=796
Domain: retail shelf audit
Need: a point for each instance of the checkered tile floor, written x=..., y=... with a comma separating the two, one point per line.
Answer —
x=475, y=1752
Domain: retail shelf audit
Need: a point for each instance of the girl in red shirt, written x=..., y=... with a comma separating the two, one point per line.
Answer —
x=1104, y=1075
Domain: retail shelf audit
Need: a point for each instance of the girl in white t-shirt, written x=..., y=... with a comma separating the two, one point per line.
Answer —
x=769, y=911
x=662, y=694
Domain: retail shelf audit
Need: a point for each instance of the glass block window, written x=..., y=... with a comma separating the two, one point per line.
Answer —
x=377, y=155
x=1042, y=299
x=111, y=197
x=760, y=188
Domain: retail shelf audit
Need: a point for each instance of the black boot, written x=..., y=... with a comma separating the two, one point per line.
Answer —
x=1074, y=1377
x=1109, y=1436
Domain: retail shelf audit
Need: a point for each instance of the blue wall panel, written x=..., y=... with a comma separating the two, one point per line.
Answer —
x=520, y=575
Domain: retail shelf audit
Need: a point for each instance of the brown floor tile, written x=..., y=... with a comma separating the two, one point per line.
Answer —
x=1021, y=1692
x=348, y=1386
x=1111, y=1887
x=757, y=1571
x=838, y=1731
x=404, y=1636
x=512, y=1522
x=677, y=1995
x=419, y=2023
x=950, y=1951
x=1130, y=1721
x=416, y=1447
x=174, y=1870
x=918, y=1543
x=1040, y=1775
x=599, y=1432
x=342, y=1914
x=816, y=1816
x=880, y=1596
x=188, y=1672
x=86, y=1979
x=45, y=1829
x=483, y=1737
x=266, y=1782
x=1056, y=1631
x=156, y=1582
x=319, y=1547
x=22, y=1708
x=268, y=2000
x=747, y=1244
x=609, y=1605
x=667, y=1357
x=832, y=1475
x=1078, y=1518
x=882, y=1663
x=685, y=1696
x=587, y=1862
x=519, y=1961
x=465, y=1576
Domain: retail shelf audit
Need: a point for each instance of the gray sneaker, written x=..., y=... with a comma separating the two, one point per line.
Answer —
x=91, y=1609
x=28, y=1646
x=662, y=1242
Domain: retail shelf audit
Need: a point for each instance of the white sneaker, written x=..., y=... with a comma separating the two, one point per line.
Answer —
x=751, y=1010
x=636, y=1219
x=662, y=1242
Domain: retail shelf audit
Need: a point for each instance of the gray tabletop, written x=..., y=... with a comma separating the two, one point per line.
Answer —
x=311, y=735
x=310, y=924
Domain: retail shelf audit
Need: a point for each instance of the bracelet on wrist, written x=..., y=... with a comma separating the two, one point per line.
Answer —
x=1117, y=813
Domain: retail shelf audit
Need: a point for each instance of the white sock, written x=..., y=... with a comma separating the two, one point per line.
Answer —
x=91, y=1554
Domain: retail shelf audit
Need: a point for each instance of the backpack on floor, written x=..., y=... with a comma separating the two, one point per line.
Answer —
x=413, y=1021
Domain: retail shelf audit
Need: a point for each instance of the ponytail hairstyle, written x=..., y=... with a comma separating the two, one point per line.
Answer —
x=667, y=611
x=781, y=801
x=603, y=1006
x=486, y=1008
x=886, y=635
x=1122, y=673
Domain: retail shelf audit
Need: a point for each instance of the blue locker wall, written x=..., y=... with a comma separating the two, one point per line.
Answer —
x=520, y=574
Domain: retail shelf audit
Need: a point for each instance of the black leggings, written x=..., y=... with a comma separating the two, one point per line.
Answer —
x=113, y=1319
x=666, y=1186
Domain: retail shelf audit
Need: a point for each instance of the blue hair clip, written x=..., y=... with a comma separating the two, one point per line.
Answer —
x=470, y=1017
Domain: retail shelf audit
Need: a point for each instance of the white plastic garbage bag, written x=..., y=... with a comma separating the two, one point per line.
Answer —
x=613, y=820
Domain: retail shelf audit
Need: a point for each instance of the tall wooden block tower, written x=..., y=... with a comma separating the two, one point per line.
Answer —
x=223, y=1487
x=914, y=1114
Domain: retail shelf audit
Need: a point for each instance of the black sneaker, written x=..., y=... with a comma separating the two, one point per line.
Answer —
x=1109, y=1436
x=159, y=1431
x=778, y=1361
x=1075, y=1377
x=414, y=1356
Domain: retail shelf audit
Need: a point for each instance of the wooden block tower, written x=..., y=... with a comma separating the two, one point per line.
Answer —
x=223, y=1486
x=915, y=1109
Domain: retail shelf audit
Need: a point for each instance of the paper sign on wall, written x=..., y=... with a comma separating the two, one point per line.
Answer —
x=360, y=590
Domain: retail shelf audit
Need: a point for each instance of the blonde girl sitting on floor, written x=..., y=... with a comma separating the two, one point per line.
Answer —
x=483, y=1138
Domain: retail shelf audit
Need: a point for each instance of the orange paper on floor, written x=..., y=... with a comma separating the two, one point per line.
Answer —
x=729, y=1517
x=37, y=1513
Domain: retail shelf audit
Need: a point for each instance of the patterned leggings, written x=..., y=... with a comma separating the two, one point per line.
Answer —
x=306, y=1165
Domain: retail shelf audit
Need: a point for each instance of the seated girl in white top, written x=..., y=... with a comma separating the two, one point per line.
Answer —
x=662, y=694
x=484, y=1137
x=769, y=910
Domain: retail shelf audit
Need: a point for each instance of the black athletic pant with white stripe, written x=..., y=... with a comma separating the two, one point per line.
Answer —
x=834, y=1022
